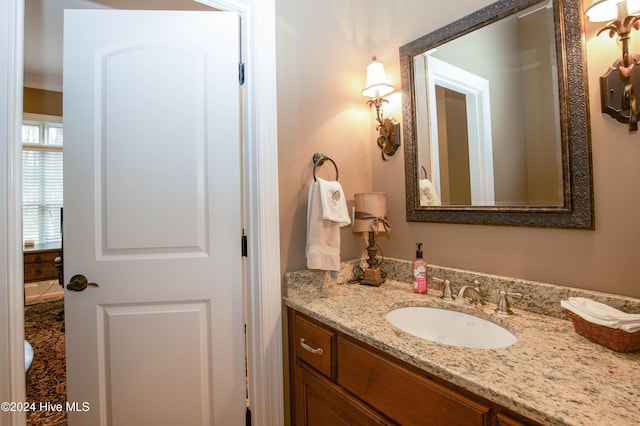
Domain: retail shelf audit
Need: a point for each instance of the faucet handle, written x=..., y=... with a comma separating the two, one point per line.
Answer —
x=446, y=291
x=503, y=307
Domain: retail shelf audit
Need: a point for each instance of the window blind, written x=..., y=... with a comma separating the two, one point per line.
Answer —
x=42, y=175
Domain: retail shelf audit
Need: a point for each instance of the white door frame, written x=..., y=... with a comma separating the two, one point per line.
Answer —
x=477, y=94
x=264, y=301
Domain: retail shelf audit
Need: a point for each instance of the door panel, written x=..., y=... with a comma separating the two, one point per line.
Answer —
x=140, y=340
x=153, y=215
x=172, y=134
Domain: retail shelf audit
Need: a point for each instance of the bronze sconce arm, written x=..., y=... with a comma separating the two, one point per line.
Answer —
x=388, y=129
x=617, y=92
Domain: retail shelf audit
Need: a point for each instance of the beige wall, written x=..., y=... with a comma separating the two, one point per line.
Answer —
x=322, y=53
x=323, y=48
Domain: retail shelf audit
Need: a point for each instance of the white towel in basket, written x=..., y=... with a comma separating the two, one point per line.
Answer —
x=601, y=314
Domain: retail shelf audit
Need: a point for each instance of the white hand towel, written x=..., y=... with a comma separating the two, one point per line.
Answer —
x=428, y=194
x=601, y=314
x=323, y=236
x=334, y=203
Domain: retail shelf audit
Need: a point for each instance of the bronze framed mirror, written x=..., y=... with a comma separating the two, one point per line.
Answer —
x=496, y=118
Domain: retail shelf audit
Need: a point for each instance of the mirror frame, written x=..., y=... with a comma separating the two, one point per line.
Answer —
x=577, y=211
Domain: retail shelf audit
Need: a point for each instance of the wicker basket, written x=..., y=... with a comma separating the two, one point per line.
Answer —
x=612, y=338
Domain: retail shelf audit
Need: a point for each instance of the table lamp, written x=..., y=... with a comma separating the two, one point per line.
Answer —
x=371, y=217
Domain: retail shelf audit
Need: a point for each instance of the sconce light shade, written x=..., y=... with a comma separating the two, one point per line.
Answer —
x=371, y=213
x=377, y=84
x=608, y=10
x=376, y=89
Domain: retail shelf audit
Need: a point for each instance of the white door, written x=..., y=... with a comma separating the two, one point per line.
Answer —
x=153, y=215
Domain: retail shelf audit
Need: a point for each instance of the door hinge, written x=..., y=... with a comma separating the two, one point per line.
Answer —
x=241, y=73
x=244, y=245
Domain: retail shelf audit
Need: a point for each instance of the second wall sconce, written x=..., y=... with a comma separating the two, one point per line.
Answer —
x=377, y=87
x=617, y=86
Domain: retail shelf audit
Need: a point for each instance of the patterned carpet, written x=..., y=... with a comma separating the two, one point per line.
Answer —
x=47, y=375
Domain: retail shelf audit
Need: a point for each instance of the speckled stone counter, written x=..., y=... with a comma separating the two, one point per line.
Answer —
x=551, y=374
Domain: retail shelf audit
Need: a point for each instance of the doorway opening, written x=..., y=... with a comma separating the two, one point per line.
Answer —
x=42, y=198
x=264, y=317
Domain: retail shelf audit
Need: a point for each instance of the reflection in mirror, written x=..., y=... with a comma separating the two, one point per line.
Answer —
x=506, y=99
x=492, y=133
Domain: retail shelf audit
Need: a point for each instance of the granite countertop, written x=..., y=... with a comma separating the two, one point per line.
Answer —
x=551, y=374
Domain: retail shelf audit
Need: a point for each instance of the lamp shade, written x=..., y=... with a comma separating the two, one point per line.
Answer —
x=607, y=10
x=371, y=213
x=377, y=85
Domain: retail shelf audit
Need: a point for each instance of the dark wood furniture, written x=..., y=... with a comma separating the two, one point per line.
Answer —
x=338, y=380
x=38, y=262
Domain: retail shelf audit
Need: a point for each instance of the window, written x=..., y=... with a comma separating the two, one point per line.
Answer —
x=41, y=181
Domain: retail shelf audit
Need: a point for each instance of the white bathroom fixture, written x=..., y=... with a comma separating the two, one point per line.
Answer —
x=451, y=327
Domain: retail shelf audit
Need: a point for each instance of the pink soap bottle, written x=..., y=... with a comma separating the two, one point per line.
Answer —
x=419, y=272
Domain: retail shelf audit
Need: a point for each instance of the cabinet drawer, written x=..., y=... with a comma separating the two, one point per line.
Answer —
x=42, y=257
x=402, y=395
x=314, y=345
x=39, y=265
x=40, y=272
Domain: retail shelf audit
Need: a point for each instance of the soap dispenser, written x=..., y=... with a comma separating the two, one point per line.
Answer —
x=419, y=272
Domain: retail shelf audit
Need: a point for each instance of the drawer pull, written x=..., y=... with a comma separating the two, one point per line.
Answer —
x=317, y=351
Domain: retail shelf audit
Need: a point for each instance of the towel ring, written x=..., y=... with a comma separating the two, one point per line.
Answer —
x=318, y=160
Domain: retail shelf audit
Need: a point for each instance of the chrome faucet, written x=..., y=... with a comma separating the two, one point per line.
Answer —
x=473, y=293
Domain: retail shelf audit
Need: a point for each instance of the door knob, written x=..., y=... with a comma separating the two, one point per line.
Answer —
x=79, y=283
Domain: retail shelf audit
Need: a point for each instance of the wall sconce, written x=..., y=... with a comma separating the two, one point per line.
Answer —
x=377, y=88
x=371, y=217
x=617, y=85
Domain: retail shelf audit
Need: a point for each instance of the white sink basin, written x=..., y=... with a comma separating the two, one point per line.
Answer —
x=451, y=327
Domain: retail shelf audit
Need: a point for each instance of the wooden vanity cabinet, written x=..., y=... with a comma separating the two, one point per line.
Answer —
x=318, y=400
x=405, y=396
x=338, y=380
